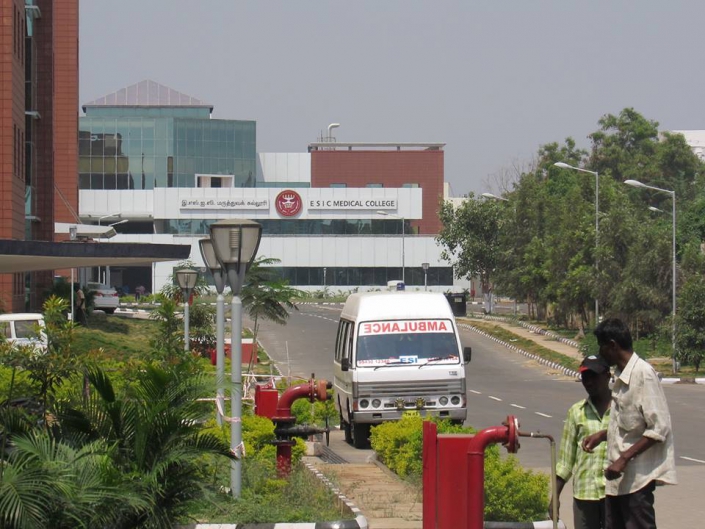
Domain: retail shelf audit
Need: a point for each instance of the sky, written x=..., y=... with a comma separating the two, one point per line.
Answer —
x=493, y=80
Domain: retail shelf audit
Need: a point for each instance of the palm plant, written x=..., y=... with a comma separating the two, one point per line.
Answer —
x=157, y=434
x=48, y=483
x=266, y=295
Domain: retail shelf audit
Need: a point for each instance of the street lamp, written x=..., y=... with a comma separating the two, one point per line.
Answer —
x=108, y=217
x=187, y=280
x=403, y=234
x=235, y=242
x=563, y=165
x=425, y=275
x=494, y=197
x=636, y=183
x=211, y=261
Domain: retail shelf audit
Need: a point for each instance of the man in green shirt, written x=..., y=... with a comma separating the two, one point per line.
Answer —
x=587, y=469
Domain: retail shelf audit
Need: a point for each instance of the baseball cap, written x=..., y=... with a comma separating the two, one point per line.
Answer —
x=593, y=363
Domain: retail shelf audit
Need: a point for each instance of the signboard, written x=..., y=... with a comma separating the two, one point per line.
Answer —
x=352, y=204
x=370, y=328
x=224, y=204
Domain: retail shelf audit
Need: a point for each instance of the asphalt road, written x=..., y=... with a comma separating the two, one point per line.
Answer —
x=499, y=383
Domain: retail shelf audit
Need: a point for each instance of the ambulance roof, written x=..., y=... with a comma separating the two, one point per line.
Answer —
x=371, y=306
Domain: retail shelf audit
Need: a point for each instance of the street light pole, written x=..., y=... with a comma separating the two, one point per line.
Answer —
x=187, y=281
x=425, y=275
x=235, y=242
x=636, y=183
x=403, y=236
x=211, y=261
x=563, y=165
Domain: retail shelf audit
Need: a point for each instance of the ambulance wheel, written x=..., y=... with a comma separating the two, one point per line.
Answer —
x=347, y=430
x=360, y=435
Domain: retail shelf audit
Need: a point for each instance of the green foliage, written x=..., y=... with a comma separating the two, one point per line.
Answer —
x=171, y=289
x=316, y=413
x=169, y=341
x=511, y=493
x=540, y=245
x=690, y=322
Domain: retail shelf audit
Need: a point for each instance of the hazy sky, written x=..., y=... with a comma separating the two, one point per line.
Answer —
x=493, y=80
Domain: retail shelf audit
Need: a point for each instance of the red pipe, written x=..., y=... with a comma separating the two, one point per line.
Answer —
x=312, y=390
x=476, y=471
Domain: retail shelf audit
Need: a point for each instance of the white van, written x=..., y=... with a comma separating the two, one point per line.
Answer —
x=397, y=353
x=24, y=329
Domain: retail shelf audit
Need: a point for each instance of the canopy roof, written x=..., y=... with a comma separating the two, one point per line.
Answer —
x=30, y=256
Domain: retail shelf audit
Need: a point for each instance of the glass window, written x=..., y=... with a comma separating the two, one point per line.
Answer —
x=339, y=185
x=374, y=185
x=96, y=181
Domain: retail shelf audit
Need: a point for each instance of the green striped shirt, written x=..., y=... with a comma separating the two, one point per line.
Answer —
x=586, y=469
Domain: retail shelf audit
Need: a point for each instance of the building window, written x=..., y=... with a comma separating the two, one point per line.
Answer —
x=410, y=185
x=374, y=185
x=339, y=185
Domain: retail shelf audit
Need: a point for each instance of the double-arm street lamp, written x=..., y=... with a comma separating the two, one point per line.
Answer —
x=403, y=233
x=636, y=183
x=235, y=242
x=211, y=261
x=187, y=281
x=563, y=165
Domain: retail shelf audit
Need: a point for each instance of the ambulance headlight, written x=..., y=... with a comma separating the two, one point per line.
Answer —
x=443, y=401
x=376, y=403
x=455, y=400
x=364, y=403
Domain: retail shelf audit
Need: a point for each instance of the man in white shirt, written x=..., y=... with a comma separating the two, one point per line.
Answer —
x=639, y=436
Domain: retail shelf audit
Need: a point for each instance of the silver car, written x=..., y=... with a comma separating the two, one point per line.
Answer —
x=105, y=297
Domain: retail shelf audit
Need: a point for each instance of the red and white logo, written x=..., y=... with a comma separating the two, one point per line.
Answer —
x=288, y=203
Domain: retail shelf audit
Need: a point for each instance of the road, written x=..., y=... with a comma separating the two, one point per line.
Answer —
x=501, y=383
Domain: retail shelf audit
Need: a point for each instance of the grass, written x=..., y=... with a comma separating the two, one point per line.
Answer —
x=656, y=351
x=527, y=345
x=120, y=338
x=300, y=498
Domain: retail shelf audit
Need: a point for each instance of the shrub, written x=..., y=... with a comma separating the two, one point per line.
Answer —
x=511, y=492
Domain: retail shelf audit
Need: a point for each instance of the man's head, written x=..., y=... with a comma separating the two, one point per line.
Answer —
x=595, y=375
x=614, y=339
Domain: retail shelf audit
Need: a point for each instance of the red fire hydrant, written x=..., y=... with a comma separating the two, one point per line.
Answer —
x=284, y=428
x=452, y=462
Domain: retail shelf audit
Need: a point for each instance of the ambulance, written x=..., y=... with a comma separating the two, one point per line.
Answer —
x=397, y=354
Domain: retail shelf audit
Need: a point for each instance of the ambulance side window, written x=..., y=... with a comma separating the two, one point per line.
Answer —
x=343, y=341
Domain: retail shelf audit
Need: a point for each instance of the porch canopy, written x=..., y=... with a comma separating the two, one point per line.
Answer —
x=31, y=256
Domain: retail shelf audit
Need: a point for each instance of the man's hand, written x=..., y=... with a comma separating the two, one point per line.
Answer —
x=591, y=441
x=616, y=469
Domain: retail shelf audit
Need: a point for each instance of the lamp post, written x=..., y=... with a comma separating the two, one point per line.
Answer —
x=235, y=242
x=403, y=234
x=211, y=261
x=563, y=165
x=187, y=280
x=108, y=217
x=636, y=183
x=495, y=197
x=425, y=275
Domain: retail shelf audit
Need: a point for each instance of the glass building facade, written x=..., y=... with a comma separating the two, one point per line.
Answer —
x=144, y=148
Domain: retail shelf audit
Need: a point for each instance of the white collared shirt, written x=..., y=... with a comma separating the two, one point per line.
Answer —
x=639, y=409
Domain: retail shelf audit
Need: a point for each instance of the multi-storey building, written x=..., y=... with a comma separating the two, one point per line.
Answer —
x=38, y=131
x=340, y=216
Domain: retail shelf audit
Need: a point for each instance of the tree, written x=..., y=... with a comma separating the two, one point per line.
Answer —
x=690, y=322
x=172, y=290
x=470, y=238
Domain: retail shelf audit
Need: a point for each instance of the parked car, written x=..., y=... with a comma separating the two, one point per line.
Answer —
x=24, y=329
x=105, y=297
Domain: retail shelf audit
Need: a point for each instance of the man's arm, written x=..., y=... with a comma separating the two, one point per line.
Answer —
x=616, y=469
x=590, y=442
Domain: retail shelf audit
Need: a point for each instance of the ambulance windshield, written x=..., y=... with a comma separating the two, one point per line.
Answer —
x=411, y=342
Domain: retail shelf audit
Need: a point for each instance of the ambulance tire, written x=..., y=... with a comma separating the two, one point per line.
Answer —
x=360, y=435
x=347, y=430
